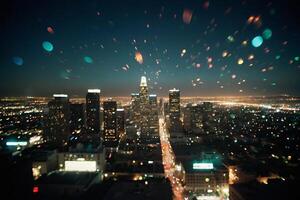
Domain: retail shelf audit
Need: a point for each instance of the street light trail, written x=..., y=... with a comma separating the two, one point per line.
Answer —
x=169, y=161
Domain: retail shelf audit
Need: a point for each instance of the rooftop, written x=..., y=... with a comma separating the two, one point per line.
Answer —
x=143, y=81
x=68, y=178
x=94, y=90
x=60, y=95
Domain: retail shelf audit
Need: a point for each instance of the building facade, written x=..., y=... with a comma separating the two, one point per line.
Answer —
x=174, y=110
x=110, y=134
x=58, y=119
x=77, y=118
x=93, y=111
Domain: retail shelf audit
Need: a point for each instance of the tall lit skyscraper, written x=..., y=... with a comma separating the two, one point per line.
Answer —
x=174, y=110
x=58, y=119
x=144, y=110
x=144, y=107
x=110, y=136
x=93, y=111
x=143, y=92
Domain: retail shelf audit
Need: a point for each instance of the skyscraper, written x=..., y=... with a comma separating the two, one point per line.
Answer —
x=193, y=118
x=174, y=110
x=135, y=109
x=197, y=119
x=153, y=100
x=144, y=107
x=144, y=92
x=187, y=118
x=153, y=115
x=110, y=136
x=93, y=111
x=120, y=121
x=58, y=119
x=77, y=118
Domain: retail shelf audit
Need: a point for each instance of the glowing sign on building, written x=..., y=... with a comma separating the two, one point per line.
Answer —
x=17, y=143
x=203, y=166
x=83, y=166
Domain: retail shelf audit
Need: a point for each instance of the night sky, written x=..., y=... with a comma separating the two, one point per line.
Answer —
x=204, y=48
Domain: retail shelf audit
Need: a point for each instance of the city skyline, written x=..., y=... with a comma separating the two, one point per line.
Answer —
x=151, y=99
x=204, y=48
x=197, y=149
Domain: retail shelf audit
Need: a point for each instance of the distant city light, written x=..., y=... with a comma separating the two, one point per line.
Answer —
x=35, y=189
x=203, y=166
x=35, y=139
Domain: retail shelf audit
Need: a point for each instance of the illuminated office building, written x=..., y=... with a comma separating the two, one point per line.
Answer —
x=144, y=96
x=144, y=107
x=174, y=110
x=58, y=119
x=93, y=111
x=206, y=178
x=193, y=118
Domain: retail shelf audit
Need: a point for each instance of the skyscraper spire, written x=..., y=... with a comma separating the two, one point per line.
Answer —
x=143, y=81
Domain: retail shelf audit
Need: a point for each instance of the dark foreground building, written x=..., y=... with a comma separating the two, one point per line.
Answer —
x=16, y=176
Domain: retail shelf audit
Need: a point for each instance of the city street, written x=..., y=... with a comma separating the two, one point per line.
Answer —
x=169, y=160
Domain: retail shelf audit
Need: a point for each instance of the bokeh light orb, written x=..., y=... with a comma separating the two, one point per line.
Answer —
x=257, y=41
x=50, y=30
x=88, y=59
x=187, y=16
x=48, y=46
x=18, y=60
x=230, y=38
x=240, y=61
x=267, y=34
x=139, y=57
